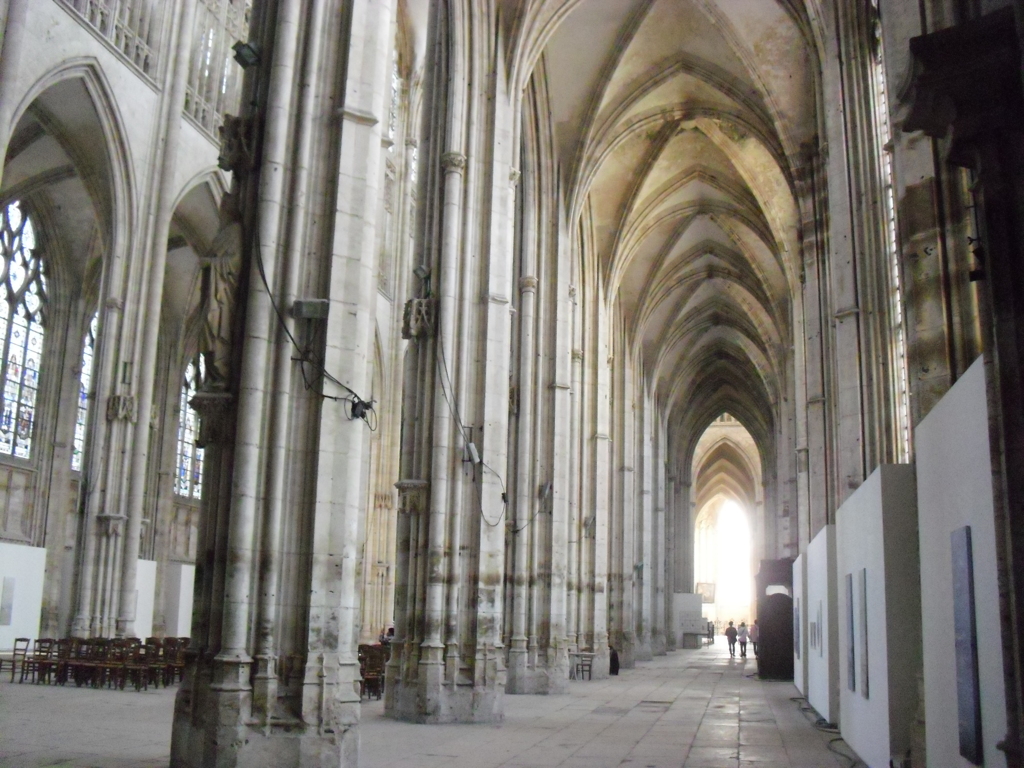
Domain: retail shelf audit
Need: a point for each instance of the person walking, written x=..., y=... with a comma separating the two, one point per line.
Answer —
x=755, y=635
x=742, y=634
x=730, y=635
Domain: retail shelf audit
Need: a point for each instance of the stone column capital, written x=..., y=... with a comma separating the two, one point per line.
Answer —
x=528, y=284
x=111, y=525
x=453, y=162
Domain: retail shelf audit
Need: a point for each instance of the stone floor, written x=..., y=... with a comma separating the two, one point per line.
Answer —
x=690, y=708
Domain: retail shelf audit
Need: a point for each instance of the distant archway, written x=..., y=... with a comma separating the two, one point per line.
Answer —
x=728, y=521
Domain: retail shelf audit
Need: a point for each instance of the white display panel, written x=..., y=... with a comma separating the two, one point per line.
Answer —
x=880, y=626
x=800, y=624
x=21, y=592
x=955, y=490
x=145, y=582
x=178, y=599
x=688, y=615
x=822, y=618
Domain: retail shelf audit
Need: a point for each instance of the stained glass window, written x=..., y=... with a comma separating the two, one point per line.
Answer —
x=189, y=479
x=88, y=346
x=22, y=308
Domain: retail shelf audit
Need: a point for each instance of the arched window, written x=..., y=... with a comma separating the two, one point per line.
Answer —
x=396, y=87
x=88, y=346
x=22, y=307
x=189, y=481
x=883, y=137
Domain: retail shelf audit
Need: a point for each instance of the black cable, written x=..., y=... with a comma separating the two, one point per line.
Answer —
x=854, y=760
x=823, y=725
x=528, y=523
x=306, y=356
x=452, y=406
x=449, y=398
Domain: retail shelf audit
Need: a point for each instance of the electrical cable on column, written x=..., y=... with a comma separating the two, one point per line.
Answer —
x=449, y=396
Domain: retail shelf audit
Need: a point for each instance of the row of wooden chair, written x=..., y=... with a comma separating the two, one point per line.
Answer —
x=101, y=662
x=372, y=659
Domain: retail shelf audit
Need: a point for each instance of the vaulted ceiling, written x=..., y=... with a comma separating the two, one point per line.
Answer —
x=678, y=127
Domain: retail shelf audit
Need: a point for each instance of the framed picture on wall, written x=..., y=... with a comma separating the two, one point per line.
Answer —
x=968, y=688
x=851, y=637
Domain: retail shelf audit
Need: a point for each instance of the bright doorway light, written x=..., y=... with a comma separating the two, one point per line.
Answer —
x=734, y=580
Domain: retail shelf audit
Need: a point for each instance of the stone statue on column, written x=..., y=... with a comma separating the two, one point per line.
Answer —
x=222, y=266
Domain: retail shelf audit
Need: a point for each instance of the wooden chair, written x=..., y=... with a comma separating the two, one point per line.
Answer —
x=17, y=656
x=372, y=660
x=65, y=651
x=154, y=656
x=174, y=660
x=86, y=666
x=110, y=670
x=48, y=666
x=135, y=669
x=37, y=664
x=585, y=664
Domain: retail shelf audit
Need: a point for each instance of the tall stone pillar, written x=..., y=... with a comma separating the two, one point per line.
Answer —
x=272, y=678
x=968, y=96
x=448, y=663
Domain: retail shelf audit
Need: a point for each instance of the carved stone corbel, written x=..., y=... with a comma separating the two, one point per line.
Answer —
x=111, y=525
x=216, y=417
x=121, y=407
x=235, y=145
x=967, y=83
x=419, y=318
x=413, y=496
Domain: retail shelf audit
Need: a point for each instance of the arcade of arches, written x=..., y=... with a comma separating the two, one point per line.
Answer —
x=486, y=320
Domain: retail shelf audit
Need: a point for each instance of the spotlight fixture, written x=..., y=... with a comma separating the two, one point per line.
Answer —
x=246, y=54
x=360, y=408
x=422, y=271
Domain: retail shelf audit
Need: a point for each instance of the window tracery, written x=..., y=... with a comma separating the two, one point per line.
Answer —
x=131, y=26
x=84, y=380
x=189, y=477
x=215, y=79
x=22, y=329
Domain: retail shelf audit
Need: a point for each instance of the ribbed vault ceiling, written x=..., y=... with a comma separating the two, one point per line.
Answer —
x=678, y=127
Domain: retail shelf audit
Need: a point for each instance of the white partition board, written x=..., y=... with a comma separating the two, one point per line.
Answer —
x=876, y=551
x=688, y=615
x=22, y=569
x=145, y=584
x=955, y=490
x=823, y=625
x=178, y=596
x=800, y=624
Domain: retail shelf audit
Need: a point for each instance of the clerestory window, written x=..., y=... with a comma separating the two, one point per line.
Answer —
x=22, y=329
x=883, y=133
x=189, y=479
x=84, y=380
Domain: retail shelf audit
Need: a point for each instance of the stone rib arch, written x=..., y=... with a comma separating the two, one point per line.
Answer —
x=109, y=161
